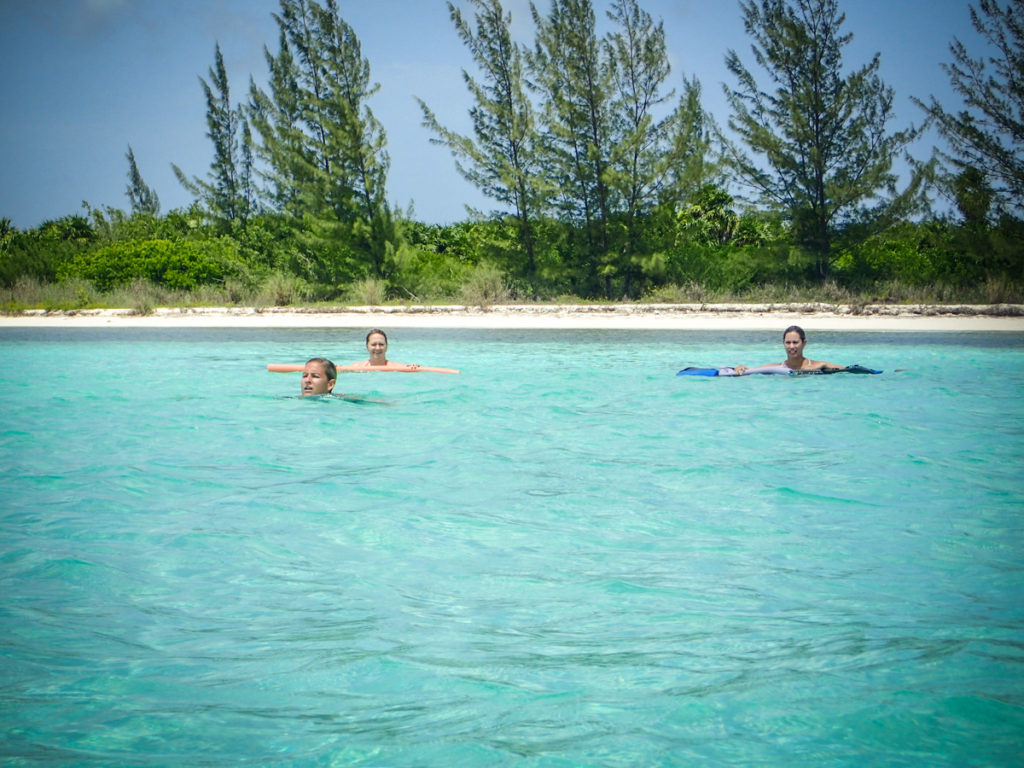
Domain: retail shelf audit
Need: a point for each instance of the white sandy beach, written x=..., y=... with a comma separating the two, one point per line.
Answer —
x=919, y=318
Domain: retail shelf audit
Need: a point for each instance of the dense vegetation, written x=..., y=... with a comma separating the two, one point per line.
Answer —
x=607, y=183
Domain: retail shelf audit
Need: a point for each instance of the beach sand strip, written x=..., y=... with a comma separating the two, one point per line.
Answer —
x=880, y=317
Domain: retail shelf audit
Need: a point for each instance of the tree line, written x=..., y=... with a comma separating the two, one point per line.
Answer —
x=607, y=181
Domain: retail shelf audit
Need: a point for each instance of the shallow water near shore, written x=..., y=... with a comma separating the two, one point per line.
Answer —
x=565, y=555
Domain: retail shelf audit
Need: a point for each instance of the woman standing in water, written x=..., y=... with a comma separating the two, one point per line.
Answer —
x=377, y=347
x=794, y=339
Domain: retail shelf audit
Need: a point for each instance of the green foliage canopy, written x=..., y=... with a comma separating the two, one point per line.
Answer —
x=180, y=265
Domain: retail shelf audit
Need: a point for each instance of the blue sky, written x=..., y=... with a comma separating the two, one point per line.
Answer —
x=83, y=79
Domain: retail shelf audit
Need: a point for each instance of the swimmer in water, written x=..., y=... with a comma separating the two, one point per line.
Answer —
x=377, y=347
x=319, y=377
x=794, y=340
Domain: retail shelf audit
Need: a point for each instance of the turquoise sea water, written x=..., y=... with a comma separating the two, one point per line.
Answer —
x=565, y=556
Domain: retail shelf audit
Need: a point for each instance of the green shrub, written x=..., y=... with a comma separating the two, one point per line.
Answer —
x=688, y=293
x=30, y=293
x=141, y=296
x=114, y=225
x=270, y=242
x=886, y=258
x=280, y=289
x=370, y=292
x=178, y=265
x=486, y=286
x=1000, y=290
x=236, y=292
x=208, y=296
x=422, y=273
x=40, y=253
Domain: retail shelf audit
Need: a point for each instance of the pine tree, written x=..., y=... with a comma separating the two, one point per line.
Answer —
x=690, y=161
x=248, y=194
x=819, y=148
x=142, y=198
x=225, y=195
x=572, y=73
x=277, y=119
x=654, y=160
x=324, y=147
x=988, y=135
x=500, y=157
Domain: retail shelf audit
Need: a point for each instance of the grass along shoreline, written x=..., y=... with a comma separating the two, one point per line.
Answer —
x=143, y=297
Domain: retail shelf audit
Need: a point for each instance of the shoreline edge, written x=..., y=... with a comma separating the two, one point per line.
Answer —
x=875, y=317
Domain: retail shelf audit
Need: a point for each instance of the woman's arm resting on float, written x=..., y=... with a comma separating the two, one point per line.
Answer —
x=396, y=368
x=742, y=370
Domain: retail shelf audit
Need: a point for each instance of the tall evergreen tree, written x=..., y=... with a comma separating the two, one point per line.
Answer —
x=277, y=118
x=654, y=159
x=572, y=73
x=141, y=196
x=500, y=158
x=820, y=146
x=325, y=148
x=360, y=144
x=639, y=60
x=247, y=192
x=690, y=161
x=989, y=134
x=224, y=193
